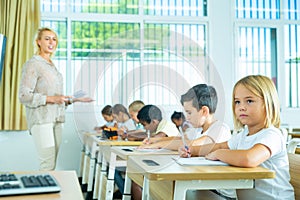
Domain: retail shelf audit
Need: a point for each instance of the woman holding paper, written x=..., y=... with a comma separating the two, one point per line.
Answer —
x=41, y=91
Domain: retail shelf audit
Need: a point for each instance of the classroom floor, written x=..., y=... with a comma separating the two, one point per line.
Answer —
x=190, y=195
x=203, y=195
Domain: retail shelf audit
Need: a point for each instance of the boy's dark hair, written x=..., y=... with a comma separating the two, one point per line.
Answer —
x=201, y=95
x=149, y=113
x=178, y=115
x=107, y=110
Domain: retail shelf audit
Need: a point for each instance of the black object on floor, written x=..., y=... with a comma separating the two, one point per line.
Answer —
x=117, y=195
x=84, y=187
x=89, y=195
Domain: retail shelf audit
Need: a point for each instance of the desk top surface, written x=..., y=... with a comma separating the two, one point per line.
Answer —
x=124, y=152
x=295, y=134
x=106, y=142
x=70, y=188
x=168, y=169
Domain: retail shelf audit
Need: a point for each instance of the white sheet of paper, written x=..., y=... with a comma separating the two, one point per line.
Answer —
x=151, y=150
x=198, y=161
x=79, y=93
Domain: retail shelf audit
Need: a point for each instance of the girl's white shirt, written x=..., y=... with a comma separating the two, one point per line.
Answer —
x=279, y=187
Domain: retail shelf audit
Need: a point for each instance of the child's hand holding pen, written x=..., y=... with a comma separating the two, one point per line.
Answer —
x=186, y=147
x=184, y=152
x=147, y=139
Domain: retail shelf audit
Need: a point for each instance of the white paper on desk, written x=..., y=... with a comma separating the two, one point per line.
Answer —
x=151, y=150
x=198, y=161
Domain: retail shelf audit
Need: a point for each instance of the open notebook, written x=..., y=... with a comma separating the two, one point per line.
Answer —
x=198, y=161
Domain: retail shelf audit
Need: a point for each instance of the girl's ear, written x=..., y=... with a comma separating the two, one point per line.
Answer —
x=205, y=110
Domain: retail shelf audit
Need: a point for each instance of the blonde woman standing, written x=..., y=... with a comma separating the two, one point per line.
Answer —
x=41, y=92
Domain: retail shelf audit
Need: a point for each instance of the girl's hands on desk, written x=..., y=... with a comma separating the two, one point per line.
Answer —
x=212, y=156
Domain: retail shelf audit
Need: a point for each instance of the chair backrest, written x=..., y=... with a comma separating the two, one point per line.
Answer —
x=292, y=145
x=294, y=161
x=284, y=133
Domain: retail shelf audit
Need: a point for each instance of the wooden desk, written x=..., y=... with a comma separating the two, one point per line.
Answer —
x=103, y=145
x=178, y=179
x=70, y=188
x=117, y=157
x=294, y=135
x=86, y=162
x=88, y=168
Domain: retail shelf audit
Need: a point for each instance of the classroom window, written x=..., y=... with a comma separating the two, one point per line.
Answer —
x=54, y=6
x=291, y=9
x=292, y=64
x=257, y=52
x=250, y=9
x=106, y=6
x=119, y=60
x=175, y=8
x=257, y=46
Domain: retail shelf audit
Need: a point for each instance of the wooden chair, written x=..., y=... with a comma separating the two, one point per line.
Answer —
x=284, y=132
x=292, y=145
x=294, y=161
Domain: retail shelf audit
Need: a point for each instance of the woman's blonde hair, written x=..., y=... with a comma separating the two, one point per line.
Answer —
x=264, y=88
x=38, y=36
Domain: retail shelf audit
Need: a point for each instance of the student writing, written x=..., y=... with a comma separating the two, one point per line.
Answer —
x=200, y=104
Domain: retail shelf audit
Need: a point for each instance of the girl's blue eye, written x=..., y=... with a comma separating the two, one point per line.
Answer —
x=249, y=101
x=236, y=102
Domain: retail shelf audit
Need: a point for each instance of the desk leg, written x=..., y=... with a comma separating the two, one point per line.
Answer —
x=84, y=168
x=146, y=189
x=89, y=194
x=91, y=174
x=93, y=153
x=102, y=175
x=127, y=188
x=182, y=186
x=97, y=177
x=111, y=176
x=81, y=162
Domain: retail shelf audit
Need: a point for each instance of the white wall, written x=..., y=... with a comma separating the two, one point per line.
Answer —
x=18, y=151
x=221, y=51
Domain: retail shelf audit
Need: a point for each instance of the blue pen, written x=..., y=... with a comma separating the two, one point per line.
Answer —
x=126, y=136
x=183, y=140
